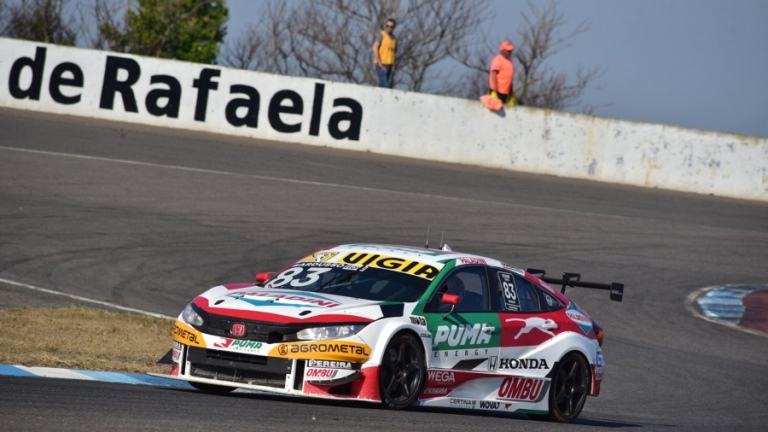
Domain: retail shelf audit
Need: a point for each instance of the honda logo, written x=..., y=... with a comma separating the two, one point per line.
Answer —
x=493, y=361
x=238, y=330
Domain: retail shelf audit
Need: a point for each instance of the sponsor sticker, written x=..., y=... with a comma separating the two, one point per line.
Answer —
x=329, y=364
x=185, y=334
x=288, y=299
x=523, y=389
x=527, y=363
x=436, y=390
x=321, y=373
x=320, y=257
x=471, y=261
x=463, y=403
x=577, y=316
x=508, y=289
x=599, y=365
x=438, y=377
x=415, y=268
x=339, y=351
x=418, y=320
x=462, y=335
x=489, y=405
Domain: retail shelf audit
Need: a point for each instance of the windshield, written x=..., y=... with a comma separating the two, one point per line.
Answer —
x=351, y=280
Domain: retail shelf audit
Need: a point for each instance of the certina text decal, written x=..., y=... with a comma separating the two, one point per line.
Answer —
x=162, y=97
x=415, y=268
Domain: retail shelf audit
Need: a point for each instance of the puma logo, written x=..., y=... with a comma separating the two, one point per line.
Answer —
x=534, y=323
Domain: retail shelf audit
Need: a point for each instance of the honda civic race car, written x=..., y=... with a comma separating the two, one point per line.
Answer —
x=401, y=326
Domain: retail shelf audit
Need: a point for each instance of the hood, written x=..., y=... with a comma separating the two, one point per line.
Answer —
x=292, y=306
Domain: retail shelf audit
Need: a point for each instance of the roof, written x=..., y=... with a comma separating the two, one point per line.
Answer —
x=434, y=257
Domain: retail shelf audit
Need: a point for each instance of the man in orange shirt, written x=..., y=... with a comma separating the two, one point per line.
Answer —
x=502, y=74
x=384, y=48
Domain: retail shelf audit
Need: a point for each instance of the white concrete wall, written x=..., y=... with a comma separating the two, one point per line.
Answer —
x=390, y=121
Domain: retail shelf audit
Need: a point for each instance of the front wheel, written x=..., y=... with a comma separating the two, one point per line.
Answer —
x=402, y=372
x=570, y=386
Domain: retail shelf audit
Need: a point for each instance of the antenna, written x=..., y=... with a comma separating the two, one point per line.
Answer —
x=442, y=234
x=426, y=246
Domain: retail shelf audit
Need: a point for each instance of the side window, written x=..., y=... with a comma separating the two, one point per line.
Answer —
x=517, y=293
x=547, y=301
x=470, y=284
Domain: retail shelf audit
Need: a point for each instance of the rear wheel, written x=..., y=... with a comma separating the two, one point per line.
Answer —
x=570, y=386
x=402, y=372
x=211, y=388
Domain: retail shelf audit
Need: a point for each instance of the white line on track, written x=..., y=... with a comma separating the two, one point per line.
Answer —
x=302, y=182
x=85, y=299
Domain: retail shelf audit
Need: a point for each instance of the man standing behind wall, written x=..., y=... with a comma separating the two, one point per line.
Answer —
x=384, y=48
x=502, y=74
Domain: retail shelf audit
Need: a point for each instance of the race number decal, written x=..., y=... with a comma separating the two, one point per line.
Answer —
x=299, y=276
x=509, y=292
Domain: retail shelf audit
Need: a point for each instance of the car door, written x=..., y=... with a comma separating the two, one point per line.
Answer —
x=465, y=336
x=528, y=317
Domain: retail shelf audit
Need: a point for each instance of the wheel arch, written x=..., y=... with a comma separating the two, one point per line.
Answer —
x=391, y=330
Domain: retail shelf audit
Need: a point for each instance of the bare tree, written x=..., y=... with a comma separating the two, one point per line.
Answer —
x=38, y=20
x=536, y=84
x=331, y=39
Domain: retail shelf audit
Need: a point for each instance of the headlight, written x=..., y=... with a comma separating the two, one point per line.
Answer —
x=335, y=332
x=191, y=316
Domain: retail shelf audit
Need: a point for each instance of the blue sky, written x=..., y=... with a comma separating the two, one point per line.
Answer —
x=699, y=64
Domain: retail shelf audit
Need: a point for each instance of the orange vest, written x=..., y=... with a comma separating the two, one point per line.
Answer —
x=387, y=48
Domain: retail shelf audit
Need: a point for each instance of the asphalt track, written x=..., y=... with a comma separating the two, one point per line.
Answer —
x=147, y=218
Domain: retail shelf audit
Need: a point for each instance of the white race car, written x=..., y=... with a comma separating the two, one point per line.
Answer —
x=400, y=326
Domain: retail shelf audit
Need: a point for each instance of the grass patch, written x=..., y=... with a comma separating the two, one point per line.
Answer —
x=82, y=338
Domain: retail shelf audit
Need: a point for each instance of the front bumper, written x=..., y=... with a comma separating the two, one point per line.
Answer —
x=330, y=369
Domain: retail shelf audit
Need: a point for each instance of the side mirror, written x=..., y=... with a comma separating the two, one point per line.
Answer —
x=451, y=299
x=263, y=277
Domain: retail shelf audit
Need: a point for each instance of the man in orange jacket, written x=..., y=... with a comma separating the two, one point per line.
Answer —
x=502, y=74
x=384, y=48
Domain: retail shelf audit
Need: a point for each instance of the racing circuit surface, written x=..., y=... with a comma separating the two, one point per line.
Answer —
x=148, y=218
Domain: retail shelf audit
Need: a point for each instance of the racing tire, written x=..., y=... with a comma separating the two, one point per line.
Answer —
x=212, y=388
x=568, y=391
x=402, y=372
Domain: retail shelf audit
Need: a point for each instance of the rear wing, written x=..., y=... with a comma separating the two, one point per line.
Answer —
x=574, y=280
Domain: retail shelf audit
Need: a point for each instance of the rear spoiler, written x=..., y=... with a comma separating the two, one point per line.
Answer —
x=574, y=280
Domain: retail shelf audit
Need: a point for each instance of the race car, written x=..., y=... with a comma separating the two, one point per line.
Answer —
x=401, y=326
